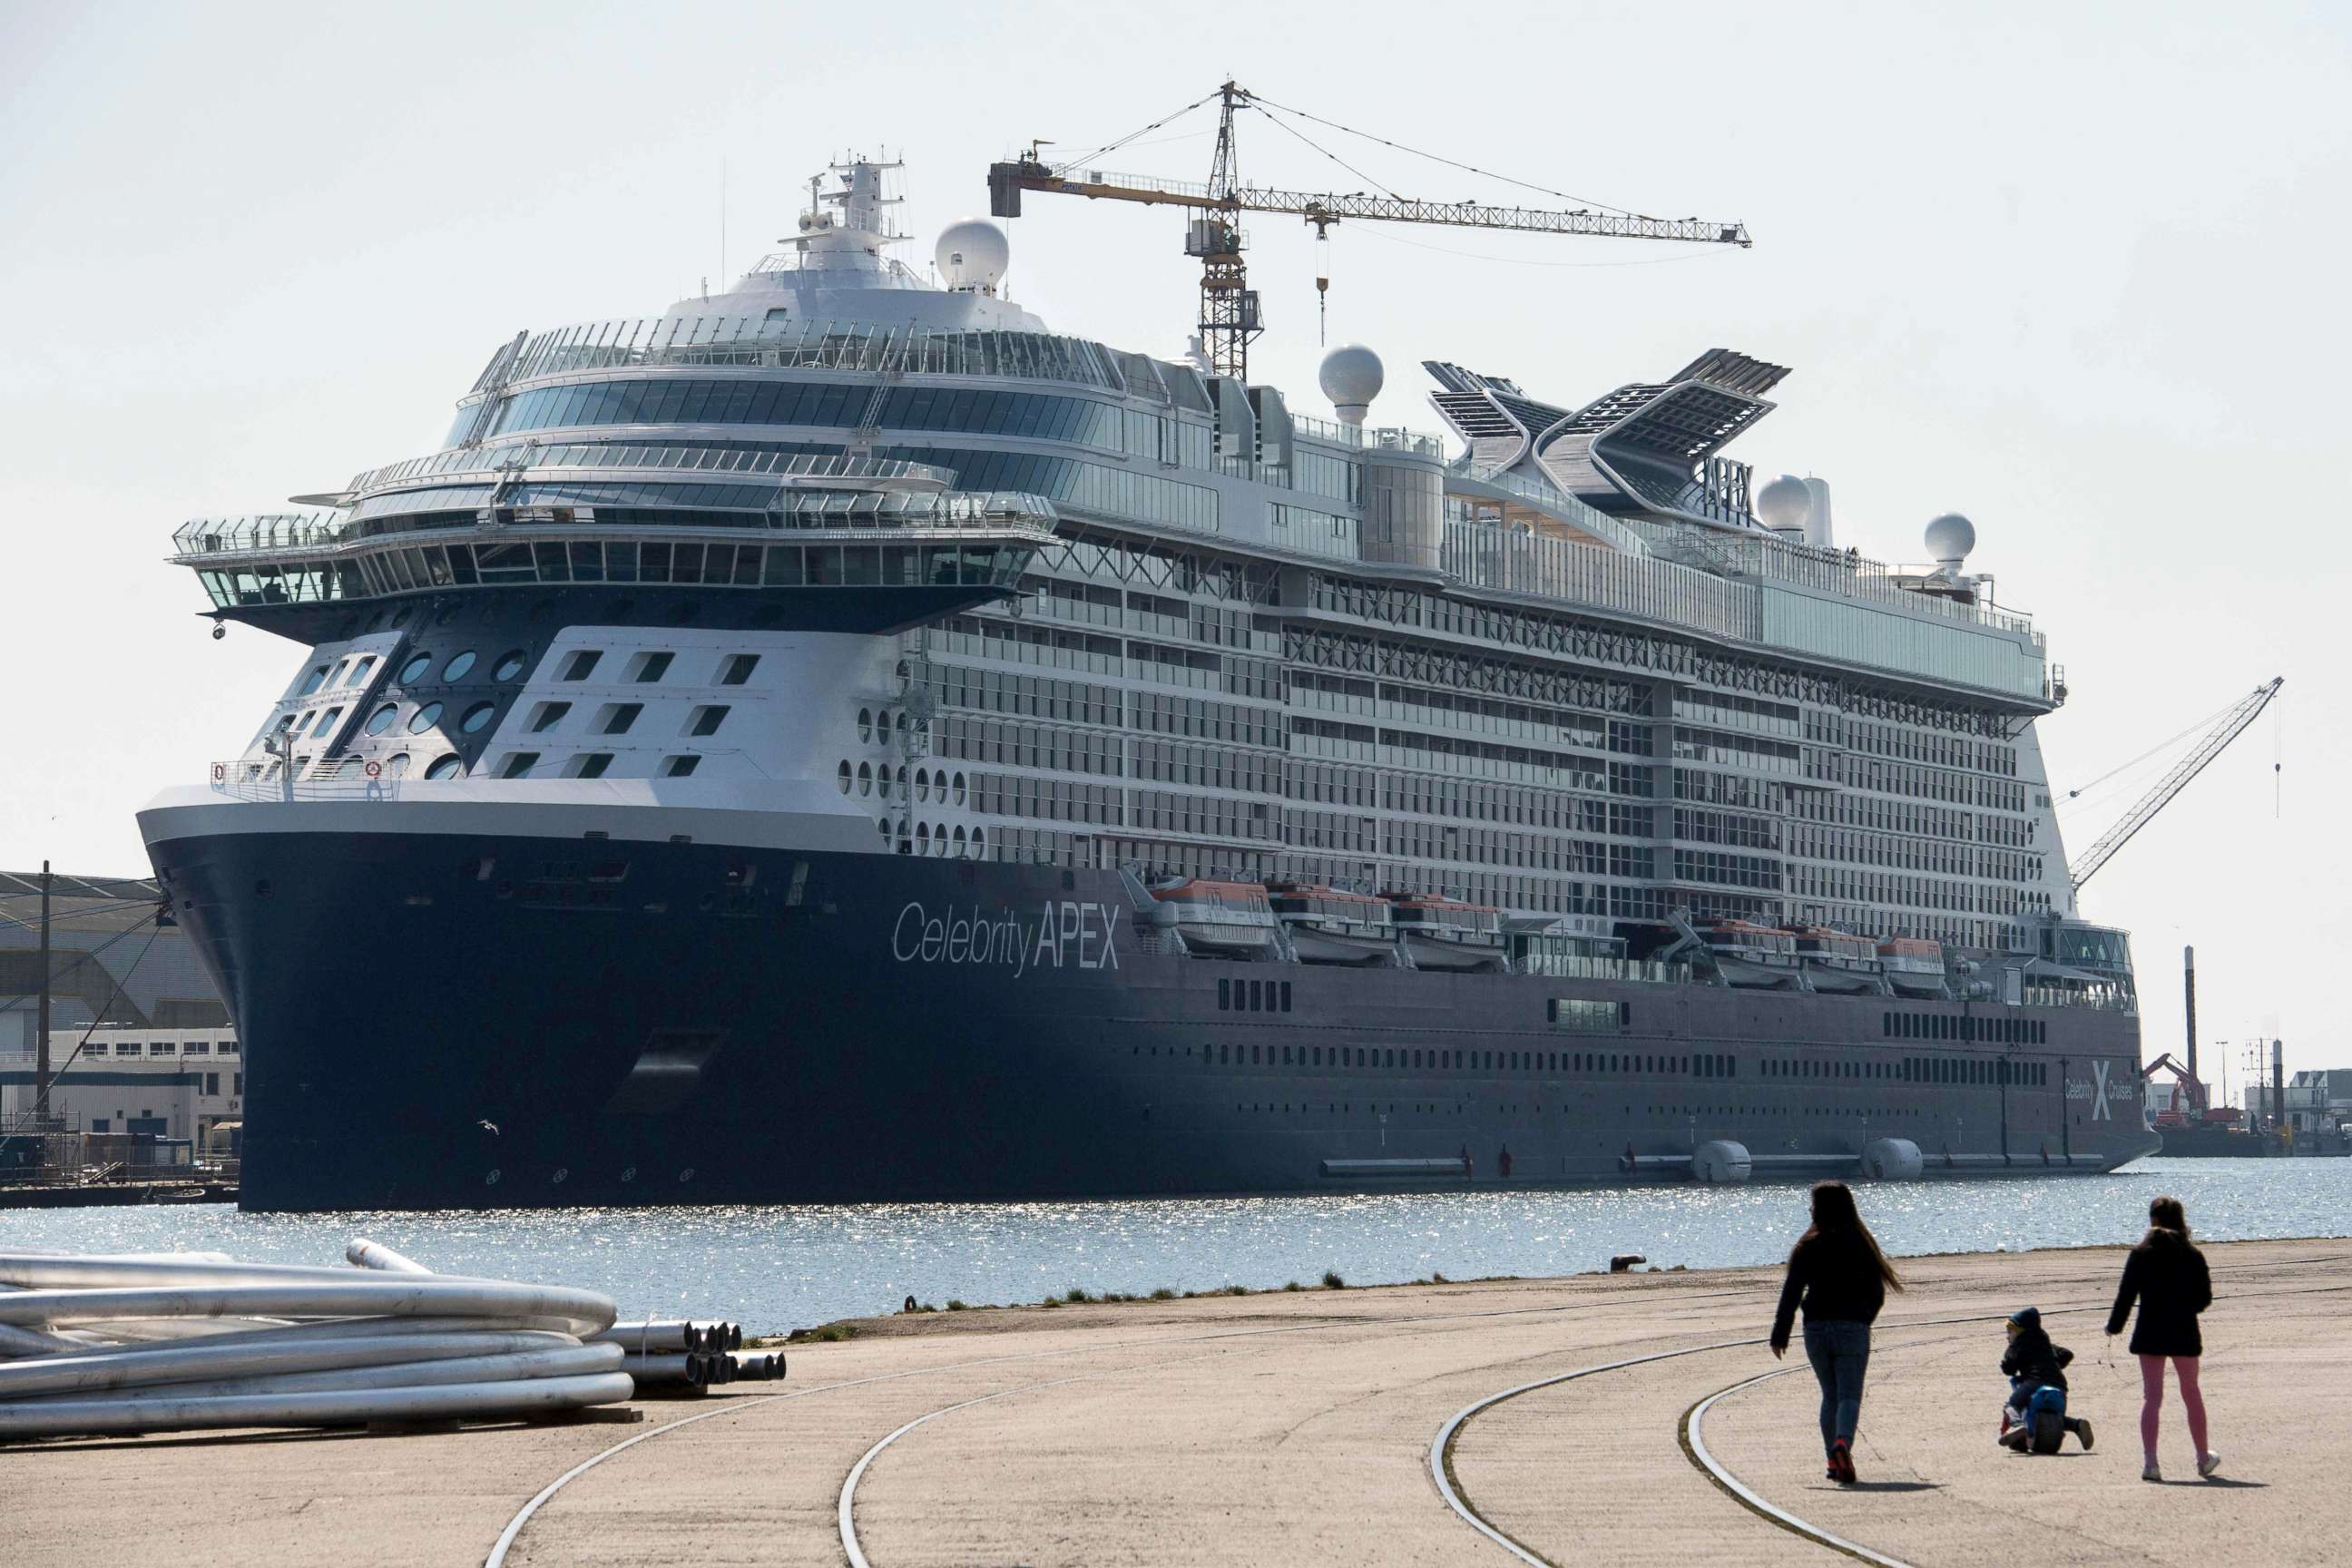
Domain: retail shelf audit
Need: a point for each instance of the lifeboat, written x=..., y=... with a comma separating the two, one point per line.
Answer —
x=1227, y=920
x=1914, y=967
x=1838, y=961
x=1748, y=954
x=1332, y=925
x=1445, y=934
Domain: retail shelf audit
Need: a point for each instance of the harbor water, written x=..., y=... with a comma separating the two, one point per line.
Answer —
x=780, y=1267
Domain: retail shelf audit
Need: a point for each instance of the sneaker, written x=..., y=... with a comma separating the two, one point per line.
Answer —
x=2015, y=1438
x=2150, y=1473
x=2083, y=1431
x=2209, y=1464
x=1841, y=1464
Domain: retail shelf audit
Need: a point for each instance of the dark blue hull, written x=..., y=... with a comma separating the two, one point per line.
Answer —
x=454, y=1020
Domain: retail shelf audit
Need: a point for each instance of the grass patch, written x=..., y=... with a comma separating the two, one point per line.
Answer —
x=956, y=1306
x=1236, y=1290
x=1294, y=1285
x=1165, y=1294
x=1076, y=1296
x=825, y=1335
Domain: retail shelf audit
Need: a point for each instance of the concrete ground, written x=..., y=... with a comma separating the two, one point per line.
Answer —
x=1298, y=1428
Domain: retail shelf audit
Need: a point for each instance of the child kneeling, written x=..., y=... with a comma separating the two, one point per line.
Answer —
x=2035, y=1416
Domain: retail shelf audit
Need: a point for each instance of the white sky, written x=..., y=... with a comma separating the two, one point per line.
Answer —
x=2073, y=269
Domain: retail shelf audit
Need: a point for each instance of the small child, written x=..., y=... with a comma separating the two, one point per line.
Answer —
x=2033, y=1365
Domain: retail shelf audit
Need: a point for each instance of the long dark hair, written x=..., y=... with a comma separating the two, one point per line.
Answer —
x=1834, y=1215
x=2165, y=1214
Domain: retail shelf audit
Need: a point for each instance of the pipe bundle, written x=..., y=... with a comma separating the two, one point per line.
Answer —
x=686, y=1357
x=181, y=1342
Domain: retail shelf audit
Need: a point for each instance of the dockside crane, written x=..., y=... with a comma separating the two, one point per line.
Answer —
x=1230, y=316
x=2215, y=741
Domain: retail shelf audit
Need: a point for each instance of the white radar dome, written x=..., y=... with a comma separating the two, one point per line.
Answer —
x=1950, y=537
x=1786, y=502
x=1351, y=376
x=972, y=253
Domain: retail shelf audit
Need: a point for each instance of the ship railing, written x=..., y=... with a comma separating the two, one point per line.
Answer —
x=235, y=781
x=1385, y=437
x=667, y=456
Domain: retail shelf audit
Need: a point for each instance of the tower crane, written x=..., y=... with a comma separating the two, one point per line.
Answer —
x=1229, y=307
x=2217, y=740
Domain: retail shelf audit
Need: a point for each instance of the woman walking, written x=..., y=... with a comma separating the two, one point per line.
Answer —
x=2168, y=1277
x=1840, y=1280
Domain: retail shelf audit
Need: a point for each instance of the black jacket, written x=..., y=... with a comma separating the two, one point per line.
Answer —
x=1833, y=1275
x=2033, y=1357
x=2168, y=1278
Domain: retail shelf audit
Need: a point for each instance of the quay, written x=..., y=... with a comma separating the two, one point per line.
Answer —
x=1632, y=1419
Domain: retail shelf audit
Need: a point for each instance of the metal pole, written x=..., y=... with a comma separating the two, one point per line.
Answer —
x=2189, y=994
x=41, y=1049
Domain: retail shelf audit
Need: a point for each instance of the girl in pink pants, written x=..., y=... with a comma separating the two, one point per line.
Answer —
x=2167, y=1276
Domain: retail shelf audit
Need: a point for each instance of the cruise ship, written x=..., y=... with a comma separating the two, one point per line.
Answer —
x=836, y=739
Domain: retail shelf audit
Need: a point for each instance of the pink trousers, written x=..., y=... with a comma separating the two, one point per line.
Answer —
x=2151, y=1384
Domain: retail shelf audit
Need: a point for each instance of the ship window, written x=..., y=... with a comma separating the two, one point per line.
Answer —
x=617, y=717
x=359, y=671
x=707, y=719
x=842, y=775
x=425, y=718
x=1286, y=995
x=581, y=664
x=314, y=680
x=1224, y=995
x=510, y=665
x=381, y=720
x=397, y=765
x=677, y=767
x=865, y=779
x=1253, y=1055
x=864, y=725
x=444, y=767
x=649, y=668
x=547, y=716
x=518, y=764
x=738, y=668
x=414, y=670
x=959, y=846
x=1252, y=996
x=457, y=669
x=592, y=766
x=477, y=716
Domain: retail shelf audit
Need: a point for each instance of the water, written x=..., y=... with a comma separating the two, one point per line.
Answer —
x=775, y=1268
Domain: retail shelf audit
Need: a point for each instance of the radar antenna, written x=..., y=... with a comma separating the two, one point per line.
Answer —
x=1229, y=307
x=2217, y=740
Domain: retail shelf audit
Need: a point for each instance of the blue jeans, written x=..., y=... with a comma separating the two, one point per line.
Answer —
x=1841, y=1354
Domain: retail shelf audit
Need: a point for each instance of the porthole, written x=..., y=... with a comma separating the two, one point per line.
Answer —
x=882, y=781
x=509, y=666
x=906, y=837
x=425, y=718
x=445, y=767
x=491, y=1179
x=563, y=1174
x=922, y=838
x=960, y=845
x=864, y=725
x=628, y=1173
x=883, y=828
x=958, y=789
x=395, y=766
x=902, y=781
x=686, y=1175
x=904, y=725
x=882, y=727
x=477, y=716
x=979, y=845
x=459, y=667
x=414, y=670
x=843, y=777
x=923, y=784
x=865, y=778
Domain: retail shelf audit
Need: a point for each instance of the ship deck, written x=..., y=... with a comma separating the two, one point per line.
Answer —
x=1299, y=1427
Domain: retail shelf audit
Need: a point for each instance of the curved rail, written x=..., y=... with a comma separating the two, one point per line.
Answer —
x=1694, y=1444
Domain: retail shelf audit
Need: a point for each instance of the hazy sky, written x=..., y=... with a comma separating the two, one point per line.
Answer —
x=2073, y=269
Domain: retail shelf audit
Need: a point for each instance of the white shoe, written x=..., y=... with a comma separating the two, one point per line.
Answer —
x=2151, y=1473
x=2209, y=1464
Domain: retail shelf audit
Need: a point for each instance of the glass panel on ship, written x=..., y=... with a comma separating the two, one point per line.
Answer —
x=1075, y=772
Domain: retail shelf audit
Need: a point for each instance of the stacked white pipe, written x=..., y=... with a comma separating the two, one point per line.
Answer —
x=682, y=1356
x=181, y=1342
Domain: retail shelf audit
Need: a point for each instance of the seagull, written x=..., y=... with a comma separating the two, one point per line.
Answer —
x=489, y=1126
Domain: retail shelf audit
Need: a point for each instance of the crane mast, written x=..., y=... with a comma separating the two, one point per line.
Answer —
x=1230, y=318
x=2216, y=741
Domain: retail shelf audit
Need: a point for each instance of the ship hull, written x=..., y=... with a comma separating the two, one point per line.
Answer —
x=496, y=1020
